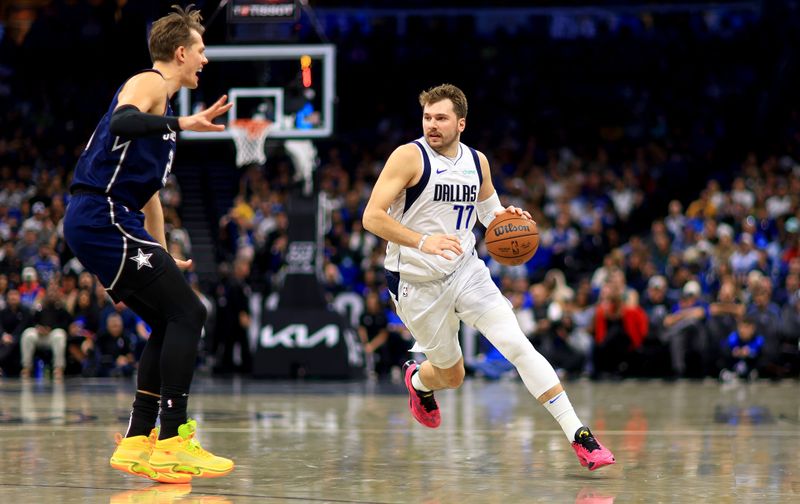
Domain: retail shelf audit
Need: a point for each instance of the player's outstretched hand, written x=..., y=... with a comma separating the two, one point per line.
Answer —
x=440, y=244
x=514, y=210
x=204, y=120
x=183, y=265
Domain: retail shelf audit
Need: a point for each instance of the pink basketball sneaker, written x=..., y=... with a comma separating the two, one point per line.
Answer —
x=422, y=404
x=590, y=452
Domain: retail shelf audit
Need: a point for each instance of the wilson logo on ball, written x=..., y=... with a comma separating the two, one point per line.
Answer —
x=509, y=228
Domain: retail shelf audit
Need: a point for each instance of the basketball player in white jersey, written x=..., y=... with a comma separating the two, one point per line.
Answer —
x=425, y=203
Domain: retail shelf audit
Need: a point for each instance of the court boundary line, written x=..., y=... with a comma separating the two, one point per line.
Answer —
x=459, y=430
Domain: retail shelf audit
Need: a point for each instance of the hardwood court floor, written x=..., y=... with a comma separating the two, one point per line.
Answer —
x=683, y=442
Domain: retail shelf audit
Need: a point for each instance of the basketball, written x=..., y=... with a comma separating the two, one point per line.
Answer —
x=512, y=239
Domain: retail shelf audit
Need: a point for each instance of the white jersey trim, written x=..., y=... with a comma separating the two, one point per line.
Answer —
x=121, y=264
x=122, y=230
x=124, y=146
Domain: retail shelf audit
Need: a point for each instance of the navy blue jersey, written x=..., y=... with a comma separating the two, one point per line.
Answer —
x=129, y=170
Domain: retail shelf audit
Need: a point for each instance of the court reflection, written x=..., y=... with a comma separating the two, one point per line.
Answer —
x=588, y=495
x=166, y=494
x=157, y=494
x=317, y=442
x=44, y=405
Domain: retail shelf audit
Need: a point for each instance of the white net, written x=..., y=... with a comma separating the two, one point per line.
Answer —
x=249, y=136
x=304, y=156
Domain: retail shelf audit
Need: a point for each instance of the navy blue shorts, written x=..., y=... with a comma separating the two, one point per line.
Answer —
x=111, y=242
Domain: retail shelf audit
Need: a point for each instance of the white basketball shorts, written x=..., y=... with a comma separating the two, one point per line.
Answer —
x=432, y=310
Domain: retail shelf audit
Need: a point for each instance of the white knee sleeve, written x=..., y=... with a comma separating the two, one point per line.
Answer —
x=500, y=327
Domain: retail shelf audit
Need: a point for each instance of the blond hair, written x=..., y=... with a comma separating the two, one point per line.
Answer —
x=173, y=31
x=446, y=92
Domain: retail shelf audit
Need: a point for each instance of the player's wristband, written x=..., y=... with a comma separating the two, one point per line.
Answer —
x=422, y=241
x=128, y=121
x=488, y=208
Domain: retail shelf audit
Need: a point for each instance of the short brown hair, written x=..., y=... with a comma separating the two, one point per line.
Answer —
x=172, y=31
x=444, y=92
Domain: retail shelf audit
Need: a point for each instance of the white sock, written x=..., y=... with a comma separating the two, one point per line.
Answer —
x=416, y=382
x=562, y=411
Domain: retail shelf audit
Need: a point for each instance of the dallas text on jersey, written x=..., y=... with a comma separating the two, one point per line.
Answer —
x=455, y=192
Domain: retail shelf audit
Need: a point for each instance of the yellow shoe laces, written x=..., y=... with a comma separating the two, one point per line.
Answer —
x=187, y=432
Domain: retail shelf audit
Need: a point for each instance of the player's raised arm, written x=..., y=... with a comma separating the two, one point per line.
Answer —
x=403, y=169
x=489, y=205
x=141, y=107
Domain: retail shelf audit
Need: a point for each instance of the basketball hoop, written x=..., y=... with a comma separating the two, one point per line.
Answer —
x=249, y=136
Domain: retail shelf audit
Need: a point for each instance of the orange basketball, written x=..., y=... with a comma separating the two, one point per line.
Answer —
x=511, y=239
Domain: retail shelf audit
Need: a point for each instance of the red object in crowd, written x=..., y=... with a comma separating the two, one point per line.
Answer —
x=634, y=323
x=27, y=288
x=791, y=253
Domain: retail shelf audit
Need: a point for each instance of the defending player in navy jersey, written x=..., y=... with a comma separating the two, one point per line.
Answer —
x=115, y=226
x=425, y=204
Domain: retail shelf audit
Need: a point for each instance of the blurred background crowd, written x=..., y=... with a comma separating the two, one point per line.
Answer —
x=658, y=152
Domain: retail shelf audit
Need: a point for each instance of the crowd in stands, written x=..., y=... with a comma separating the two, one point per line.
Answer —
x=670, y=302
x=641, y=271
x=709, y=290
x=55, y=317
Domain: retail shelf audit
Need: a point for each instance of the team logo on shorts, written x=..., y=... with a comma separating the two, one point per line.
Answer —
x=141, y=259
x=405, y=291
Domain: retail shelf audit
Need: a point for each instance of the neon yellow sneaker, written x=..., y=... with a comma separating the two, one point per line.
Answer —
x=133, y=457
x=183, y=454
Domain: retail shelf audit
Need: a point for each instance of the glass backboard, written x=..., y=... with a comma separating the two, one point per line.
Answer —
x=292, y=85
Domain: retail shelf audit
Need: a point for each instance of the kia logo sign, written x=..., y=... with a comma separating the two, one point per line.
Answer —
x=297, y=336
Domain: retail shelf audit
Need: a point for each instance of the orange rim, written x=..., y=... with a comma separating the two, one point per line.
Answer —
x=253, y=126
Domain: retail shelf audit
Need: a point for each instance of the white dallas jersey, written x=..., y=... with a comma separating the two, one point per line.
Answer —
x=442, y=202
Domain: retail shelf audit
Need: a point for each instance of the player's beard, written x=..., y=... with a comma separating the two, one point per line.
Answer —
x=444, y=142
